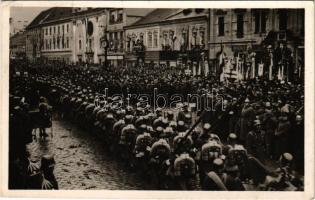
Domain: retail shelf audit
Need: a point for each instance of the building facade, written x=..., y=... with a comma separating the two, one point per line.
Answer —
x=237, y=32
x=171, y=37
x=33, y=43
x=17, y=46
x=57, y=41
x=88, y=32
x=70, y=35
x=117, y=19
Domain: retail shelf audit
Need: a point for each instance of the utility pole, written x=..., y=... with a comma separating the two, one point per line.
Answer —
x=105, y=44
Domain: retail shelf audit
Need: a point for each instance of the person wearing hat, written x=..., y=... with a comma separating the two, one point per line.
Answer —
x=296, y=143
x=256, y=142
x=231, y=142
x=269, y=125
x=203, y=136
x=182, y=113
x=282, y=135
x=232, y=121
x=247, y=117
x=44, y=116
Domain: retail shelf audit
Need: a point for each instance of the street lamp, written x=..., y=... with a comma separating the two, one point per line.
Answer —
x=104, y=43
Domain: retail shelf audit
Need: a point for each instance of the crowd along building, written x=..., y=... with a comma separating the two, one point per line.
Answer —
x=87, y=33
x=194, y=40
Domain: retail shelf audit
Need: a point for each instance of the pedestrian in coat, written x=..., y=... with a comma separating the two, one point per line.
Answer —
x=256, y=142
x=247, y=117
x=282, y=135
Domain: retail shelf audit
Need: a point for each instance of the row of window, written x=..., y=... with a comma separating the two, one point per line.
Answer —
x=116, y=16
x=60, y=29
x=52, y=44
x=260, y=23
x=115, y=40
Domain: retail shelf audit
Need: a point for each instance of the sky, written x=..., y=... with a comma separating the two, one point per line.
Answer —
x=24, y=15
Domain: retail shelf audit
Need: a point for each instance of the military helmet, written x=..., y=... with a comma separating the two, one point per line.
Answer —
x=286, y=159
x=128, y=119
x=181, y=126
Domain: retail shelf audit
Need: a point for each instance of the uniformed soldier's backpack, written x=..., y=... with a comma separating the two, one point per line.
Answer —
x=210, y=151
x=161, y=149
x=128, y=134
x=143, y=141
x=237, y=155
x=184, y=165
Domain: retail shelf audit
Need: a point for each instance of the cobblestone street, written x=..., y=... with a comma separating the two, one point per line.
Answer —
x=81, y=161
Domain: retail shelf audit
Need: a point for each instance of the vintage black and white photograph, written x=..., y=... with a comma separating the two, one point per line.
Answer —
x=118, y=98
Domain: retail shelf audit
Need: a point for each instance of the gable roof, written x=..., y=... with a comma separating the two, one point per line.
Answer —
x=137, y=12
x=165, y=14
x=155, y=16
x=39, y=18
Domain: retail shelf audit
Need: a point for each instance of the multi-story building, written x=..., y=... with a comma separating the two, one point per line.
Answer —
x=34, y=36
x=69, y=35
x=17, y=45
x=47, y=37
x=173, y=37
x=88, y=35
x=235, y=31
x=117, y=19
x=57, y=35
